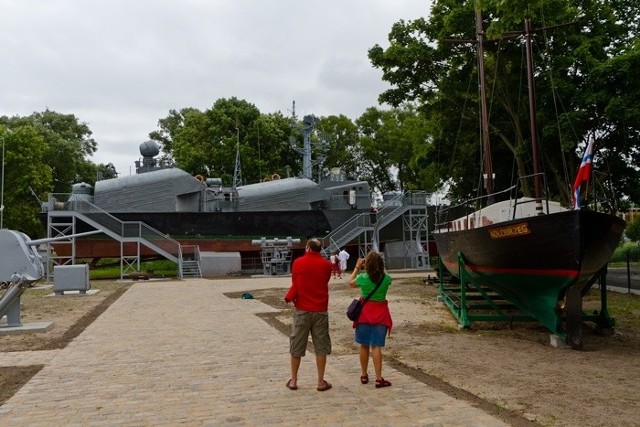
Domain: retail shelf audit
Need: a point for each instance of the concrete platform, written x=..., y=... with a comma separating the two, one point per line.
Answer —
x=25, y=328
x=74, y=293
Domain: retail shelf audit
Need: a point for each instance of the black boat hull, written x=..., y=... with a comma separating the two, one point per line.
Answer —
x=532, y=261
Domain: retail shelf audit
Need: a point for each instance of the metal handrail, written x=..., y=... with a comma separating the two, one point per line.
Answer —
x=124, y=229
x=363, y=222
x=347, y=231
x=466, y=205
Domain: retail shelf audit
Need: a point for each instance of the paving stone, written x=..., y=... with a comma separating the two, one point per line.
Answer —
x=181, y=352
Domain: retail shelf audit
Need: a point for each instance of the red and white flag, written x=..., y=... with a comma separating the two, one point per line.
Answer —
x=584, y=173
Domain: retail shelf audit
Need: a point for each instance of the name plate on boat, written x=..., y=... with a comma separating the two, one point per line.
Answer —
x=510, y=231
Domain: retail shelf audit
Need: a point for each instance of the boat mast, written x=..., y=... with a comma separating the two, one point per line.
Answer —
x=533, y=122
x=484, y=113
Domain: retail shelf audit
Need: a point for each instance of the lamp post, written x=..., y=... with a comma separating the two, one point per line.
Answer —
x=2, y=190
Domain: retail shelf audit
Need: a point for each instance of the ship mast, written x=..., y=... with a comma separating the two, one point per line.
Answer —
x=237, y=170
x=484, y=114
x=308, y=123
x=533, y=122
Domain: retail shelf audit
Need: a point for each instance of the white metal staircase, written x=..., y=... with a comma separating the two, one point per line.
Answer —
x=62, y=221
x=366, y=227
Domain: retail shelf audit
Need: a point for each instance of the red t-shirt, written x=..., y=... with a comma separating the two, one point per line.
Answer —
x=310, y=277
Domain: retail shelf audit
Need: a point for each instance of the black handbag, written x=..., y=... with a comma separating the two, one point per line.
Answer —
x=355, y=308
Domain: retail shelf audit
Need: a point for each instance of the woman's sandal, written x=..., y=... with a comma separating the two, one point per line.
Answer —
x=327, y=386
x=364, y=379
x=382, y=383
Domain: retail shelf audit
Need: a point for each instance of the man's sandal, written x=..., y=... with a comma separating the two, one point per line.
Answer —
x=364, y=379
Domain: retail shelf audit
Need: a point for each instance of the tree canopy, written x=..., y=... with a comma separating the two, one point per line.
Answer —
x=206, y=142
x=582, y=89
x=45, y=152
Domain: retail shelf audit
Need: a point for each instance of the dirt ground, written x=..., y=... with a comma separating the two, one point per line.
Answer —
x=513, y=373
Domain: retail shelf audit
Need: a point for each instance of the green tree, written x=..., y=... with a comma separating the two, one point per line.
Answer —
x=206, y=142
x=617, y=97
x=633, y=229
x=342, y=149
x=268, y=150
x=423, y=65
x=388, y=141
x=25, y=173
x=68, y=145
x=169, y=127
x=106, y=171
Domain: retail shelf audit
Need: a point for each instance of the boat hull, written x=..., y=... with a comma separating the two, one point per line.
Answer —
x=532, y=261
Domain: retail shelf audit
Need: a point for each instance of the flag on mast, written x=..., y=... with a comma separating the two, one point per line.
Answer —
x=584, y=173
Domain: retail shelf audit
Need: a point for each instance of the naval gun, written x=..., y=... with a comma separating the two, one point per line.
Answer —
x=276, y=255
x=20, y=267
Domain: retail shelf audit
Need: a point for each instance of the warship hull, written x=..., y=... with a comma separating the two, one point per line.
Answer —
x=212, y=231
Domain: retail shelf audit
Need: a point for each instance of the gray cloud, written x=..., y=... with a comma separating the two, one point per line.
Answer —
x=121, y=65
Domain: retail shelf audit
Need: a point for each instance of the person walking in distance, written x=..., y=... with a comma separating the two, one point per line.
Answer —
x=343, y=256
x=375, y=321
x=309, y=292
x=335, y=264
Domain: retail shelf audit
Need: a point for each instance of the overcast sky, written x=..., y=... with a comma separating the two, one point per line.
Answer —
x=120, y=66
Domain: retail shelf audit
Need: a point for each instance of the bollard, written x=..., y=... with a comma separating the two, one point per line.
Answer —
x=628, y=274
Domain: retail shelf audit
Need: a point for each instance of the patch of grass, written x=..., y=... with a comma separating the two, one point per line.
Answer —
x=624, y=308
x=109, y=268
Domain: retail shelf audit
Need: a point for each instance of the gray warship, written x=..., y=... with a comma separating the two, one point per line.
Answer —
x=227, y=217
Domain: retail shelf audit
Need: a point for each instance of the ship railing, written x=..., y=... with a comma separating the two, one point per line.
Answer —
x=393, y=208
x=129, y=229
x=374, y=221
x=122, y=229
x=445, y=215
x=56, y=201
x=520, y=200
x=189, y=257
x=347, y=231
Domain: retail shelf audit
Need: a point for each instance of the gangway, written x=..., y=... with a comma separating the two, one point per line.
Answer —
x=62, y=220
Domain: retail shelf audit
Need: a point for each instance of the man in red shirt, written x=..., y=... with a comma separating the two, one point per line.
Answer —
x=309, y=292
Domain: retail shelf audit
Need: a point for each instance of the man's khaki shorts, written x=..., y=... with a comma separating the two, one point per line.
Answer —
x=316, y=323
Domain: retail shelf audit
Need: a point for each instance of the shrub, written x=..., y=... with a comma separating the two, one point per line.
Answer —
x=620, y=254
x=633, y=229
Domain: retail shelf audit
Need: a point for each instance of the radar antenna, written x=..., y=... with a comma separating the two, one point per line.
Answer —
x=237, y=170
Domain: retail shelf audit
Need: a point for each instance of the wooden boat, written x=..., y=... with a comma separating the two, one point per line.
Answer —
x=529, y=252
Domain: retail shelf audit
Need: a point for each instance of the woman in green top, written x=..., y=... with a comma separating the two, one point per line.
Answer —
x=375, y=321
